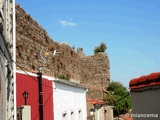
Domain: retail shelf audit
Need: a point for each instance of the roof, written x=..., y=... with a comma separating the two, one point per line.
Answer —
x=150, y=80
x=70, y=83
x=125, y=117
x=53, y=79
x=94, y=101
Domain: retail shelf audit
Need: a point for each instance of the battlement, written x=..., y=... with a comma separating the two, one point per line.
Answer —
x=80, y=52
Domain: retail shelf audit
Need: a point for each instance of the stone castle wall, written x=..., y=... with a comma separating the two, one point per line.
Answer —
x=92, y=71
x=31, y=38
x=96, y=74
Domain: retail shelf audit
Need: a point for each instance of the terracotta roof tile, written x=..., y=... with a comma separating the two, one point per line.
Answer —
x=154, y=76
x=133, y=82
x=125, y=118
x=145, y=81
x=143, y=78
x=94, y=101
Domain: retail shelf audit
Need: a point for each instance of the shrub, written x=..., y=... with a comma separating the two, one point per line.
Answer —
x=101, y=48
x=63, y=77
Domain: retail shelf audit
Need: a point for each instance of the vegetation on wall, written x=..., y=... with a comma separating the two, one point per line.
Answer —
x=101, y=48
x=63, y=77
x=119, y=97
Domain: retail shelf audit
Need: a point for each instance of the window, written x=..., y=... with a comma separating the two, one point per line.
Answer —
x=80, y=115
x=72, y=115
x=64, y=116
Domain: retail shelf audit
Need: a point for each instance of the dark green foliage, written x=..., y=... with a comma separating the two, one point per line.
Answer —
x=114, y=97
x=63, y=77
x=101, y=48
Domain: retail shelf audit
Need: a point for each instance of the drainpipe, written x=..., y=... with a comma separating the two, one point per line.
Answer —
x=40, y=93
x=14, y=59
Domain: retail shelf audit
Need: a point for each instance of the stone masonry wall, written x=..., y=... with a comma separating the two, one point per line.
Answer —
x=96, y=74
x=31, y=38
x=92, y=71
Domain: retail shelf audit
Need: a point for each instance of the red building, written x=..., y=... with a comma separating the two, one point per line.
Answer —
x=29, y=83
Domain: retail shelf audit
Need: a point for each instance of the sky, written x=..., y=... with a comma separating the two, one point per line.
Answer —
x=130, y=29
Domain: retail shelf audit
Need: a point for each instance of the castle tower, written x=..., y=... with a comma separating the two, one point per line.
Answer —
x=80, y=52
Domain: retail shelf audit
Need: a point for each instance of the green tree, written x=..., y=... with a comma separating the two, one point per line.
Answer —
x=119, y=97
x=101, y=48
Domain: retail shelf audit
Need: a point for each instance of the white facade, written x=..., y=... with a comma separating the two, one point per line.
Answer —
x=69, y=101
x=146, y=103
x=26, y=112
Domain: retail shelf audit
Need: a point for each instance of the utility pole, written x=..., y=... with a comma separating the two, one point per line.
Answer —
x=43, y=55
x=43, y=58
x=40, y=93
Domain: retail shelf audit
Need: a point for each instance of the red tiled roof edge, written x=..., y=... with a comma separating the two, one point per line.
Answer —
x=94, y=101
x=125, y=118
x=152, y=79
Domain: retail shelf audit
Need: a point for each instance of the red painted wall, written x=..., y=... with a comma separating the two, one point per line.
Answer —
x=26, y=83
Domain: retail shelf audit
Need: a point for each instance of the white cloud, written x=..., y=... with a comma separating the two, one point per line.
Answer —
x=69, y=18
x=66, y=23
x=137, y=72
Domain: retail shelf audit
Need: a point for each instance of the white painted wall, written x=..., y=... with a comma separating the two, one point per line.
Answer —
x=146, y=102
x=26, y=112
x=69, y=99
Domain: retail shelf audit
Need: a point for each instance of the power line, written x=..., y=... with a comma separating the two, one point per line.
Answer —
x=122, y=98
x=30, y=75
x=25, y=72
x=32, y=79
x=47, y=100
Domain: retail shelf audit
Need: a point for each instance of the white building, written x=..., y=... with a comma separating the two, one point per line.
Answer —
x=69, y=100
x=145, y=97
x=7, y=66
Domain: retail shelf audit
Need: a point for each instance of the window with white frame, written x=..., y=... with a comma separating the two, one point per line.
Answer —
x=64, y=116
x=79, y=114
x=72, y=115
